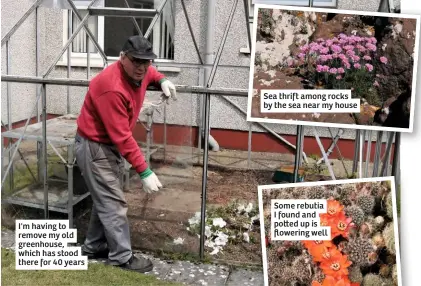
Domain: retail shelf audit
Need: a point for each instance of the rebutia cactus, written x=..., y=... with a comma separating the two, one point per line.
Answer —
x=299, y=193
x=366, y=203
x=355, y=274
x=356, y=213
x=389, y=237
x=319, y=276
x=372, y=280
x=302, y=269
x=375, y=224
x=316, y=193
x=345, y=192
x=389, y=205
x=378, y=240
x=395, y=274
x=360, y=251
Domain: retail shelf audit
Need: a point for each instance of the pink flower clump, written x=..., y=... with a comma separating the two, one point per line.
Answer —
x=341, y=58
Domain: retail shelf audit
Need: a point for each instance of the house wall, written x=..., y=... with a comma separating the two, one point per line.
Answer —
x=185, y=111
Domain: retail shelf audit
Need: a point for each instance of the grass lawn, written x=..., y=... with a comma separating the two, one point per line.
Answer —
x=97, y=274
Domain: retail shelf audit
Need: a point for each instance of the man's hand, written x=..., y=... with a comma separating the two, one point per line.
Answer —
x=168, y=89
x=150, y=181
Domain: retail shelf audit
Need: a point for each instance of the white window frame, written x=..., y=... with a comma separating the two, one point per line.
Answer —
x=329, y=4
x=96, y=61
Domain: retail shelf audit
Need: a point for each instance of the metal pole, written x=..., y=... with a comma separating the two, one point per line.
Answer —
x=21, y=20
x=155, y=18
x=191, y=31
x=9, y=116
x=134, y=20
x=297, y=152
x=386, y=160
x=249, y=145
x=69, y=50
x=396, y=154
x=165, y=133
x=209, y=56
x=377, y=153
x=204, y=176
x=327, y=162
x=221, y=46
x=247, y=14
x=360, y=162
x=69, y=41
x=356, y=148
x=87, y=30
x=70, y=165
x=44, y=148
x=368, y=154
x=88, y=59
x=38, y=91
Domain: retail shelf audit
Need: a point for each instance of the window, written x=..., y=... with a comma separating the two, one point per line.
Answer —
x=111, y=32
x=304, y=3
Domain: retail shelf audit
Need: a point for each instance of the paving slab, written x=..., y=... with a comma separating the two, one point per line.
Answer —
x=198, y=274
x=245, y=277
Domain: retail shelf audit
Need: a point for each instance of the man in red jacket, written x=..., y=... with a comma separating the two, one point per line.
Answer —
x=104, y=137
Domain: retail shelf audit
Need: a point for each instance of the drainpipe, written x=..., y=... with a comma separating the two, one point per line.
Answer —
x=209, y=59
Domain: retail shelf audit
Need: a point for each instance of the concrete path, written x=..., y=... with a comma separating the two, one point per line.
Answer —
x=184, y=272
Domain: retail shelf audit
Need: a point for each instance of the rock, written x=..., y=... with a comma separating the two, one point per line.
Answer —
x=395, y=112
x=397, y=42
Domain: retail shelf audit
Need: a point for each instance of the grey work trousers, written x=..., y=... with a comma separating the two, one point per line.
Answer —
x=101, y=166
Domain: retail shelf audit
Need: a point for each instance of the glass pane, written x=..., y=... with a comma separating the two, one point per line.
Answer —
x=283, y=2
x=79, y=43
x=118, y=29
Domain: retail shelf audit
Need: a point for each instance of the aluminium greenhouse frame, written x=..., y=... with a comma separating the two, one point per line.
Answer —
x=206, y=90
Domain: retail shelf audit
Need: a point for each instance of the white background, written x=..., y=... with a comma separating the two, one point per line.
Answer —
x=411, y=184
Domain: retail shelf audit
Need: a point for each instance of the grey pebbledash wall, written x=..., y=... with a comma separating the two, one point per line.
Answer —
x=185, y=111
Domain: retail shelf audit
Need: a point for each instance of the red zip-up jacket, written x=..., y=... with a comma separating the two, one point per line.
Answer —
x=111, y=109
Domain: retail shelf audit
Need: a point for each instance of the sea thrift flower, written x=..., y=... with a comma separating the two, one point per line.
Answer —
x=341, y=70
x=367, y=58
x=350, y=53
x=376, y=83
x=301, y=55
x=324, y=50
x=383, y=60
x=371, y=47
x=335, y=56
x=369, y=67
x=357, y=66
x=319, y=68
x=356, y=59
x=339, y=77
x=323, y=58
x=336, y=49
x=333, y=71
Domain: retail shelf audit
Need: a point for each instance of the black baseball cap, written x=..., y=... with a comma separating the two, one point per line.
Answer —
x=139, y=47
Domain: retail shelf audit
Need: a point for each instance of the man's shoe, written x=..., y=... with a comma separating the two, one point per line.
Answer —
x=138, y=264
x=102, y=254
